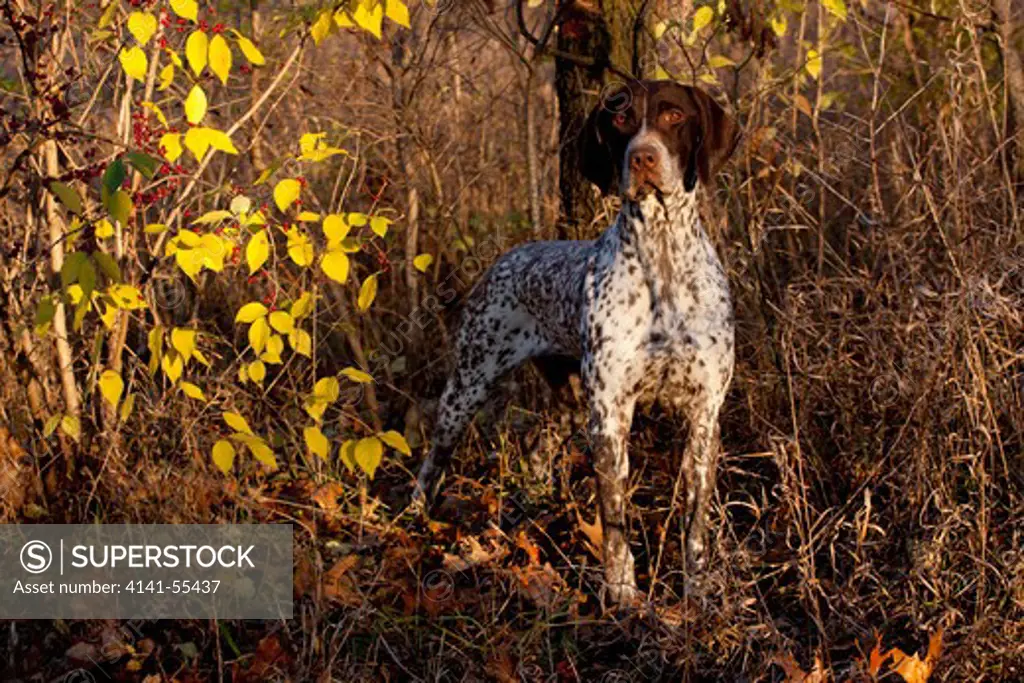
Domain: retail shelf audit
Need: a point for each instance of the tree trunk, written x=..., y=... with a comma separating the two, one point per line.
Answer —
x=603, y=32
x=1014, y=75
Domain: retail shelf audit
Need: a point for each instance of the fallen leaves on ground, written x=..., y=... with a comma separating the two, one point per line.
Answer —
x=911, y=668
x=795, y=674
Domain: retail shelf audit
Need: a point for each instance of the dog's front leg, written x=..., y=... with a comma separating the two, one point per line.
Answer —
x=611, y=414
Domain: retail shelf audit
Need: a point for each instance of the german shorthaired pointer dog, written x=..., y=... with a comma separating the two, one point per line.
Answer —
x=645, y=307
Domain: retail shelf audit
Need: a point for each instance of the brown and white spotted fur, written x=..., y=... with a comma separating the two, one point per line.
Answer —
x=645, y=307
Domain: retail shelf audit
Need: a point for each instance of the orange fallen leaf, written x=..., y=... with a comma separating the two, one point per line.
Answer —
x=594, y=533
x=338, y=586
x=795, y=674
x=876, y=659
x=911, y=667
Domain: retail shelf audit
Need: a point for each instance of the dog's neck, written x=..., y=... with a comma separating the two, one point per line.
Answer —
x=666, y=231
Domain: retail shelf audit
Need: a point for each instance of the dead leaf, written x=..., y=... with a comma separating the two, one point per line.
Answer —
x=270, y=659
x=83, y=653
x=876, y=659
x=594, y=533
x=911, y=667
x=474, y=556
x=338, y=586
x=795, y=674
x=327, y=496
x=532, y=551
x=540, y=584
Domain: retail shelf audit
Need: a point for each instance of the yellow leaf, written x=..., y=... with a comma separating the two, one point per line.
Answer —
x=156, y=112
x=301, y=342
x=813, y=65
x=249, y=49
x=190, y=261
x=422, y=262
x=262, y=452
x=396, y=441
x=192, y=391
x=342, y=20
x=126, y=407
x=103, y=229
x=308, y=216
x=368, y=454
x=397, y=12
x=195, y=105
x=155, y=342
x=166, y=77
x=184, y=342
x=259, y=333
x=257, y=251
x=836, y=7
x=327, y=389
x=220, y=58
x=170, y=143
x=213, y=217
x=250, y=312
x=357, y=220
x=126, y=297
x=702, y=17
x=198, y=355
x=367, y=293
x=196, y=49
x=357, y=375
x=286, y=192
x=142, y=25
x=379, y=225
x=223, y=455
x=111, y=386
x=314, y=407
x=719, y=61
x=302, y=306
x=172, y=366
x=257, y=371
x=70, y=425
x=335, y=265
x=335, y=228
x=272, y=354
x=219, y=140
x=779, y=24
x=238, y=423
x=369, y=19
x=197, y=143
x=322, y=27
x=316, y=442
x=175, y=59
x=133, y=61
x=187, y=9
x=300, y=249
x=347, y=454
x=282, y=321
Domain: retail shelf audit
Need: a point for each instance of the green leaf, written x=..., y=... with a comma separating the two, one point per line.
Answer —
x=119, y=206
x=68, y=196
x=113, y=177
x=143, y=163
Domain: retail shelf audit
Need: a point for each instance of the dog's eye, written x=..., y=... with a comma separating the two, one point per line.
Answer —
x=620, y=119
x=673, y=116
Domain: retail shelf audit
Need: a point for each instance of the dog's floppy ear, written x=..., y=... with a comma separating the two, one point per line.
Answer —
x=716, y=139
x=595, y=154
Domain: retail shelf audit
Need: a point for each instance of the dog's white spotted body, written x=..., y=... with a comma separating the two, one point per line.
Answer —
x=645, y=308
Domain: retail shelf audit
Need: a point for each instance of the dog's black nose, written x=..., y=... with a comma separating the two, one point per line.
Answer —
x=643, y=158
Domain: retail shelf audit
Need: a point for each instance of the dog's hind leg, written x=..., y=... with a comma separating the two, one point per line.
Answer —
x=491, y=342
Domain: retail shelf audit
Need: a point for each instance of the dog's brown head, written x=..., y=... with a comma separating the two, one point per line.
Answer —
x=657, y=136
